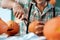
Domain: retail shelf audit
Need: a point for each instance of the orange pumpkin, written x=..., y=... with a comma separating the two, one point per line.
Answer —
x=13, y=28
x=3, y=26
x=53, y=2
x=52, y=29
x=36, y=28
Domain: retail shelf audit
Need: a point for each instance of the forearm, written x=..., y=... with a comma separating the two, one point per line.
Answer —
x=7, y=3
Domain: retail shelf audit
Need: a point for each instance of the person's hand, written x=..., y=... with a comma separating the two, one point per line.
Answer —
x=18, y=10
x=39, y=29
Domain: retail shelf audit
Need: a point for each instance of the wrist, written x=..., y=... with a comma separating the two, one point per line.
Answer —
x=14, y=5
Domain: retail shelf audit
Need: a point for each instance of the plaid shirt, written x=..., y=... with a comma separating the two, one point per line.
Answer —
x=36, y=14
x=45, y=15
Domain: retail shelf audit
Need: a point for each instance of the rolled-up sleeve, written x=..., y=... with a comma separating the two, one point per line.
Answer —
x=0, y=2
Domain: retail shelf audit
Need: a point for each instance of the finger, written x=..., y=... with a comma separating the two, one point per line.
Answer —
x=39, y=33
x=39, y=26
x=20, y=15
x=15, y=13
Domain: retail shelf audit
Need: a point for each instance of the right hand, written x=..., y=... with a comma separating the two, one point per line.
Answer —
x=18, y=10
x=39, y=28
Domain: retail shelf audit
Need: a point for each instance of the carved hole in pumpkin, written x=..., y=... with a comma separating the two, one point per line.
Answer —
x=10, y=29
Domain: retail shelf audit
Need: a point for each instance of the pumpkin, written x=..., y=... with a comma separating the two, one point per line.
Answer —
x=52, y=29
x=13, y=28
x=3, y=27
x=36, y=28
x=53, y=2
